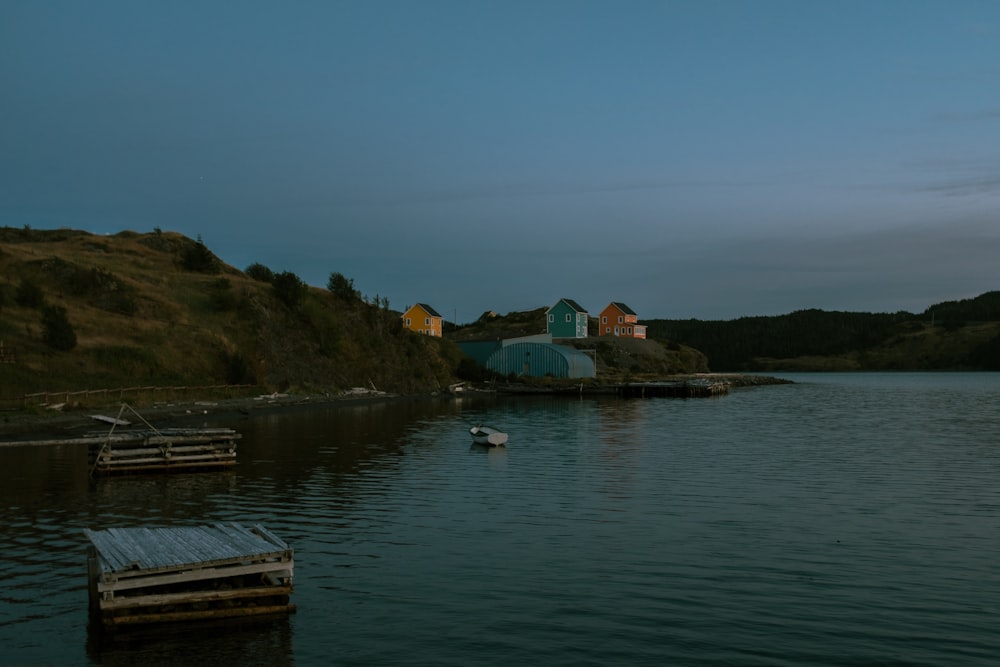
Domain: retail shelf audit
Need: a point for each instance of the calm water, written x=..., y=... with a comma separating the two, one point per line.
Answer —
x=842, y=520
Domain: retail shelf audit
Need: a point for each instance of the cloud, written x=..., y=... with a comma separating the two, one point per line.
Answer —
x=986, y=185
x=968, y=117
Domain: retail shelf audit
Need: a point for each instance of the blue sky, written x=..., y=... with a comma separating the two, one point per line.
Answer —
x=707, y=159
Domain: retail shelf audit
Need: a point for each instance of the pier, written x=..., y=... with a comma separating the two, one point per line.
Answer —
x=680, y=389
x=140, y=576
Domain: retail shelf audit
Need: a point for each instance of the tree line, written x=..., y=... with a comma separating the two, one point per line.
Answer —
x=732, y=345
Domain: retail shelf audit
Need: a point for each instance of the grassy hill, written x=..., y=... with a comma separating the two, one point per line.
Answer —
x=80, y=311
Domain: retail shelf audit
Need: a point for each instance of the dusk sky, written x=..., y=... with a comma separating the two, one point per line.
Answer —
x=707, y=159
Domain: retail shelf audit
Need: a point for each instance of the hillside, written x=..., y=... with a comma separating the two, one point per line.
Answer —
x=80, y=311
x=954, y=335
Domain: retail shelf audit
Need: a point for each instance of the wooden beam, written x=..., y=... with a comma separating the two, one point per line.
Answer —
x=193, y=596
x=111, y=583
x=234, y=612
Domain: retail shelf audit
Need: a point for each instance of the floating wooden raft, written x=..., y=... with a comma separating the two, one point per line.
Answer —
x=166, y=450
x=159, y=575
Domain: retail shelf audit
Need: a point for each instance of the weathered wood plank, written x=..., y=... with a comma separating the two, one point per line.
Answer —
x=112, y=461
x=172, y=617
x=121, y=439
x=192, y=597
x=185, y=576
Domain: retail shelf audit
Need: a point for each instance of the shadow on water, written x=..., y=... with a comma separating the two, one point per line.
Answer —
x=263, y=641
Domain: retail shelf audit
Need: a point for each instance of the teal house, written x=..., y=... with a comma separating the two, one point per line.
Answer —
x=566, y=319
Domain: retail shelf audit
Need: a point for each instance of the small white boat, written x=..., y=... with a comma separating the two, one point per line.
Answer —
x=487, y=435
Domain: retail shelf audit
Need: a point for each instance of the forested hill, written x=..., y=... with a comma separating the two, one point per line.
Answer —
x=953, y=335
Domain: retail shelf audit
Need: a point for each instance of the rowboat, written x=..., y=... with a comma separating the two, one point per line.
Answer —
x=487, y=435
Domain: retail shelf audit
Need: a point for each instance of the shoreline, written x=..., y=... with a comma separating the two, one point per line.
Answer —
x=18, y=427
x=22, y=427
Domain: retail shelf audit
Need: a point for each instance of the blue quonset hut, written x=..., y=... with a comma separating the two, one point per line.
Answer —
x=541, y=359
x=532, y=356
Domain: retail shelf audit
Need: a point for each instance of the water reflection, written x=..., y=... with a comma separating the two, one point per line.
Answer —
x=232, y=642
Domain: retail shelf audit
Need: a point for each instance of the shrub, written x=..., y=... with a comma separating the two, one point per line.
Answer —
x=238, y=369
x=57, y=332
x=29, y=294
x=197, y=257
x=222, y=294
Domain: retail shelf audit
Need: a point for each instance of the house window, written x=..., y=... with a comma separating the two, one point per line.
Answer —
x=408, y=322
x=604, y=319
x=552, y=318
x=569, y=318
x=607, y=329
x=619, y=319
x=629, y=331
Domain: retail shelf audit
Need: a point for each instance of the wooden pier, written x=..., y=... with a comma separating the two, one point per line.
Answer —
x=167, y=450
x=139, y=576
x=681, y=389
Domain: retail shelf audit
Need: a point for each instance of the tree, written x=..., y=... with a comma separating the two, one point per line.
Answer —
x=260, y=273
x=289, y=288
x=343, y=287
x=57, y=332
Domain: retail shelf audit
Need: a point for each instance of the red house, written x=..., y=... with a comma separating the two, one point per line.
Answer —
x=617, y=319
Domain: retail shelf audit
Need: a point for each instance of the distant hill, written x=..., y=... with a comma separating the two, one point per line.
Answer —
x=81, y=311
x=953, y=335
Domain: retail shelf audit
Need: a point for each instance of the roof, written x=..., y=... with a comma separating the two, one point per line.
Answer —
x=125, y=549
x=430, y=311
x=622, y=307
x=572, y=304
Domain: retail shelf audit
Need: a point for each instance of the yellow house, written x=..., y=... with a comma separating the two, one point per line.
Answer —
x=423, y=319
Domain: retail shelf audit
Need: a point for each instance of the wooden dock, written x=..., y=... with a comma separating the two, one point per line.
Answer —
x=167, y=450
x=680, y=389
x=140, y=576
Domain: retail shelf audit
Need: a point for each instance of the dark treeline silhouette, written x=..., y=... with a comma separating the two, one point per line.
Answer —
x=731, y=345
x=983, y=308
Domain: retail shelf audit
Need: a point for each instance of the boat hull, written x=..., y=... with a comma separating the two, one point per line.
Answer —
x=488, y=436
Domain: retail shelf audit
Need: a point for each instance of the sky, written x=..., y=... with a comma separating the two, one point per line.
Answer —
x=706, y=159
